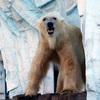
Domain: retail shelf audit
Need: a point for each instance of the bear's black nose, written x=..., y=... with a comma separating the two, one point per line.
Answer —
x=50, y=24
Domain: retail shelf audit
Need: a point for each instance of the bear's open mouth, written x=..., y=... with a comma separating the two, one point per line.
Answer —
x=50, y=31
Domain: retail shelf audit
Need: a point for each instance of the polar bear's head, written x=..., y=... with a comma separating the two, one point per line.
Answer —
x=48, y=25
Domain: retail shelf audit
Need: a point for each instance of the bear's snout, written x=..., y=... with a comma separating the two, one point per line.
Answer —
x=50, y=25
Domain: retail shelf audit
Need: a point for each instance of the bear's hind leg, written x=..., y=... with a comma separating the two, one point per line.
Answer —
x=59, y=84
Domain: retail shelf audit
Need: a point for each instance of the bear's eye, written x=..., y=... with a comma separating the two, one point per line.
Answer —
x=44, y=19
x=54, y=18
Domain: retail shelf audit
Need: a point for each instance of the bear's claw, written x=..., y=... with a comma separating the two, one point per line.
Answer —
x=30, y=92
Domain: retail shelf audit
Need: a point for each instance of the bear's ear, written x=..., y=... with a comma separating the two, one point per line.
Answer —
x=38, y=21
x=62, y=19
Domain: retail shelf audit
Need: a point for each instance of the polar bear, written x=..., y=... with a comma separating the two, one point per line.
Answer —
x=61, y=44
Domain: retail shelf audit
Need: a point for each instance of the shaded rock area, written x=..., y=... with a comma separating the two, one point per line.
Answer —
x=52, y=96
x=2, y=79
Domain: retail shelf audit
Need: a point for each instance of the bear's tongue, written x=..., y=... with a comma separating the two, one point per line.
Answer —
x=50, y=30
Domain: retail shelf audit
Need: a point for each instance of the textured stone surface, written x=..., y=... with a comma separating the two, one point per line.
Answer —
x=2, y=87
x=90, y=25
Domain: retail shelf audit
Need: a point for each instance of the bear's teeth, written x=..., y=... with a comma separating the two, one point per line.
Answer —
x=50, y=30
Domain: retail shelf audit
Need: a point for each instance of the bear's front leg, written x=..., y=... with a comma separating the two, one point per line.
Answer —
x=70, y=70
x=38, y=69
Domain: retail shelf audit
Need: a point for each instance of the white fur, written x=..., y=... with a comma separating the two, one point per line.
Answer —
x=52, y=42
